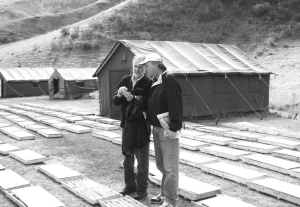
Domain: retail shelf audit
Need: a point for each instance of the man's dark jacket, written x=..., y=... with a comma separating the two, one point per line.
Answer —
x=136, y=133
x=165, y=96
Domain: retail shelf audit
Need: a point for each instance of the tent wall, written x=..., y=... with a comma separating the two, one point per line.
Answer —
x=25, y=88
x=221, y=96
x=117, y=66
x=75, y=90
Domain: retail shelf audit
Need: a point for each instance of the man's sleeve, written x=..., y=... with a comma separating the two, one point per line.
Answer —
x=174, y=99
x=146, y=94
x=118, y=100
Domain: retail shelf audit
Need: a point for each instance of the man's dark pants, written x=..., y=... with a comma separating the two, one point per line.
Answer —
x=140, y=180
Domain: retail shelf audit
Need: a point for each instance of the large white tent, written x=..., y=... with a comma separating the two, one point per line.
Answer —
x=215, y=78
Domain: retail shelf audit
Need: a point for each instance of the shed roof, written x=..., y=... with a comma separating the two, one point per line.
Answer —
x=77, y=73
x=26, y=74
x=194, y=58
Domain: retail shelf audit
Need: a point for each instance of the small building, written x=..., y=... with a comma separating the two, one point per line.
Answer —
x=71, y=83
x=22, y=82
x=215, y=78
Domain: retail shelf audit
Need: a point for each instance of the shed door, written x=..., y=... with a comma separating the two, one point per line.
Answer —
x=115, y=77
x=56, y=85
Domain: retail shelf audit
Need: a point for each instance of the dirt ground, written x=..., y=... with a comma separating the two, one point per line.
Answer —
x=100, y=160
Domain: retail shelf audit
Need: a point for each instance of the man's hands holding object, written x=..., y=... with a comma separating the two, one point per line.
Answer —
x=123, y=91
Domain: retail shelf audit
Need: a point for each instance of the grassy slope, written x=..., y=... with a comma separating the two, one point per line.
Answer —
x=24, y=28
x=37, y=51
x=11, y=10
x=18, y=9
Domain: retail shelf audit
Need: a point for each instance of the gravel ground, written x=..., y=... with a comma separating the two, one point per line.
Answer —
x=100, y=160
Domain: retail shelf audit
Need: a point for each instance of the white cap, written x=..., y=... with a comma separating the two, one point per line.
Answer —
x=152, y=57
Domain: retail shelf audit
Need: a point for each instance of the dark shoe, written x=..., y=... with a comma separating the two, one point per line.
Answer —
x=140, y=195
x=157, y=199
x=128, y=190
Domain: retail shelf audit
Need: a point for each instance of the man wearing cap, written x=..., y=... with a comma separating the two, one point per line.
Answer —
x=165, y=98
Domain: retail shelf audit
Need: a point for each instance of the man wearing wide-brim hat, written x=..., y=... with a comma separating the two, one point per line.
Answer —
x=165, y=99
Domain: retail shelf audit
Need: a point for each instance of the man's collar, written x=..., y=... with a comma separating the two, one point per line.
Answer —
x=158, y=80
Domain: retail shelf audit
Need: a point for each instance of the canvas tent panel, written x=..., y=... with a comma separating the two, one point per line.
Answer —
x=180, y=57
x=227, y=57
x=139, y=46
x=198, y=58
x=13, y=73
x=41, y=74
x=222, y=63
x=77, y=73
x=24, y=88
x=221, y=85
x=89, y=73
x=26, y=74
x=244, y=58
x=221, y=103
x=66, y=74
x=7, y=75
x=183, y=64
x=47, y=71
x=34, y=74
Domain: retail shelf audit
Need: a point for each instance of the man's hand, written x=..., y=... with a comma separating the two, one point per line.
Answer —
x=163, y=123
x=121, y=91
x=128, y=96
x=170, y=134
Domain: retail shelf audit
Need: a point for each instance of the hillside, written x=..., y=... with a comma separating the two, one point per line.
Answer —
x=266, y=30
x=44, y=17
x=18, y=9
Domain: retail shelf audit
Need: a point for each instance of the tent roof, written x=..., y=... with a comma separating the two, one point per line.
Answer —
x=194, y=58
x=26, y=74
x=77, y=73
